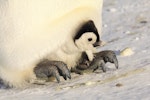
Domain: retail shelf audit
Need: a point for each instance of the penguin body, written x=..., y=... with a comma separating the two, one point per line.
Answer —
x=31, y=30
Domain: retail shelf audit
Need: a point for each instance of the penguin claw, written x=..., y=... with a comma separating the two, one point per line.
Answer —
x=108, y=56
x=47, y=68
x=103, y=57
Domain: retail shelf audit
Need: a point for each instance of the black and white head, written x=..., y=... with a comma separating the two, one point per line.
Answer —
x=87, y=37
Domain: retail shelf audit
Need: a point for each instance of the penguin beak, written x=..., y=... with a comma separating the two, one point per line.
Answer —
x=96, y=44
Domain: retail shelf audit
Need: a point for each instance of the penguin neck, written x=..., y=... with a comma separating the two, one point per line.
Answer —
x=70, y=48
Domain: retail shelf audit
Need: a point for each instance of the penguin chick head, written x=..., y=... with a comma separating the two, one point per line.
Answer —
x=87, y=37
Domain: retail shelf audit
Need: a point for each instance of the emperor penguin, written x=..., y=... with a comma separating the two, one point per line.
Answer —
x=31, y=30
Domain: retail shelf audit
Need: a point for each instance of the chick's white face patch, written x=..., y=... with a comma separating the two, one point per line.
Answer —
x=86, y=41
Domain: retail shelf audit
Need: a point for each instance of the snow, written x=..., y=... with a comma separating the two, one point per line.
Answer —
x=126, y=24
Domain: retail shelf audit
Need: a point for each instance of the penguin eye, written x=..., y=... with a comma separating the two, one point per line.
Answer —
x=89, y=39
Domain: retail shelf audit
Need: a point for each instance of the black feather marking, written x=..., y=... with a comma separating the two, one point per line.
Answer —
x=87, y=27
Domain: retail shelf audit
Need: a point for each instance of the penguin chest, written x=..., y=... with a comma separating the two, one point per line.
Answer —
x=71, y=59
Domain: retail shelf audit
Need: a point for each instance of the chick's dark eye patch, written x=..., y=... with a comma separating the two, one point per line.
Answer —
x=90, y=39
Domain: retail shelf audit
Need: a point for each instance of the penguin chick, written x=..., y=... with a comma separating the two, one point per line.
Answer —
x=70, y=54
x=87, y=39
x=83, y=41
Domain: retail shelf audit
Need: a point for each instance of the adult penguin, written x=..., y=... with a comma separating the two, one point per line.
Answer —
x=31, y=30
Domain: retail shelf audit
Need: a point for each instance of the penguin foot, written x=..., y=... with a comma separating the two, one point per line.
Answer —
x=46, y=69
x=101, y=58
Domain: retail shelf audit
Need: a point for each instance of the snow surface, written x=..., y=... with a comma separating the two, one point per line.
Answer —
x=126, y=23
